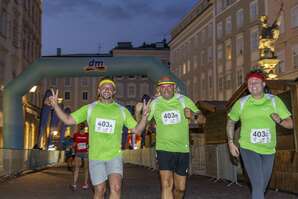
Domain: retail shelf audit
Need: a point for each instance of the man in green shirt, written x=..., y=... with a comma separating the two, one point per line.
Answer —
x=258, y=113
x=105, y=120
x=171, y=112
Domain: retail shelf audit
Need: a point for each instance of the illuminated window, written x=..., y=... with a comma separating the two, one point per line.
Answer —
x=228, y=50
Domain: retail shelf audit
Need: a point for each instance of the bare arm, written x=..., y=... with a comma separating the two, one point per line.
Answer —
x=142, y=123
x=230, y=134
x=198, y=117
x=286, y=123
x=67, y=119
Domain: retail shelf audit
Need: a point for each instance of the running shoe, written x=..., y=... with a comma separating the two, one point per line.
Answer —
x=86, y=186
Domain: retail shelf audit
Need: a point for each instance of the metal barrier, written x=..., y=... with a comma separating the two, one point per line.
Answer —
x=13, y=162
x=209, y=160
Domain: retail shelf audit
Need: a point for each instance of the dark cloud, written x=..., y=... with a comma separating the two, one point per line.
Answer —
x=120, y=9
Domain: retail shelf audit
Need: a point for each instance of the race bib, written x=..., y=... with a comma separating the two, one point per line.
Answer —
x=82, y=146
x=171, y=117
x=104, y=125
x=260, y=136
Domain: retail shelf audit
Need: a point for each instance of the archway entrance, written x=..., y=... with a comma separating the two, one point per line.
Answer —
x=68, y=66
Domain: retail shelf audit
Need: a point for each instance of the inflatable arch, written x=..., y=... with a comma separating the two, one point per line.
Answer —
x=72, y=66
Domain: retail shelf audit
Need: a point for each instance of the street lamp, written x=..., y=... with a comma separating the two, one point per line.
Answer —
x=33, y=89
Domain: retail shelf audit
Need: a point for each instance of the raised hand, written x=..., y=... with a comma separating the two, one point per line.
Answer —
x=146, y=108
x=54, y=98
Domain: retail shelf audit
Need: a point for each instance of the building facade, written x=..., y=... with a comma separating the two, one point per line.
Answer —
x=20, y=45
x=216, y=44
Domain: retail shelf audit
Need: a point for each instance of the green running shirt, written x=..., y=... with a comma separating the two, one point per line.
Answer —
x=172, y=131
x=105, y=129
x=258, y=130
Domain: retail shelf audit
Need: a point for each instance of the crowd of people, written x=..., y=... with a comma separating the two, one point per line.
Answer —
x=100, y=148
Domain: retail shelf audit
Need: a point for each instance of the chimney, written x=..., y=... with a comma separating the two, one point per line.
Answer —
x=58, y=52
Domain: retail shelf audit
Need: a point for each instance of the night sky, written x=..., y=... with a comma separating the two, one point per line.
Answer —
x=93, y=26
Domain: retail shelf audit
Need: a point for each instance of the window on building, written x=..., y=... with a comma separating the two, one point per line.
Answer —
x=228, y=27
x=203, y=36
x=239, y=18
x=226, y=3
x=188, y=65
x=210, y=82
x=240, y=77
x=3, y=23
x=228, y=50
x=131, y=90
x=53, y=82
x=85, y=95
x=202, y=57
x=15, y=32
x=219, y=30
x=120, y=90
x=210, y=32
x=119, y=77
x=131, y=77
x=145, y=88
x=184, y=68
x=281, y=65
x=66, y=81
x=239, y=45
x=144, y=77
x=228, y=83
x=254, y=39
x=294, y=16
x=295, y=56
x=195, y=86
x=84, y=81
x=195, y=62
x=66, y=95
x=210, y=54
x=220, y=82
x=218, y=6
x=253, y=10
x=282, y=23
x=219, y=52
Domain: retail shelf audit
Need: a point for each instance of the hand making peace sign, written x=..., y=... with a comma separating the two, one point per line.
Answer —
x=146, y=108
x=54, y=98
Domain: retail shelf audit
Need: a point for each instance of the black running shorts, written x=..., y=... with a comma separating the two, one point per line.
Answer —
x=173, y=161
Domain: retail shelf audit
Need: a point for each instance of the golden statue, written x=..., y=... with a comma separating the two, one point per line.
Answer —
x=269, y=34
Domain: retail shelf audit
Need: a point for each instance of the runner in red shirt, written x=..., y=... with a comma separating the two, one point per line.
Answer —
x=81, y=153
